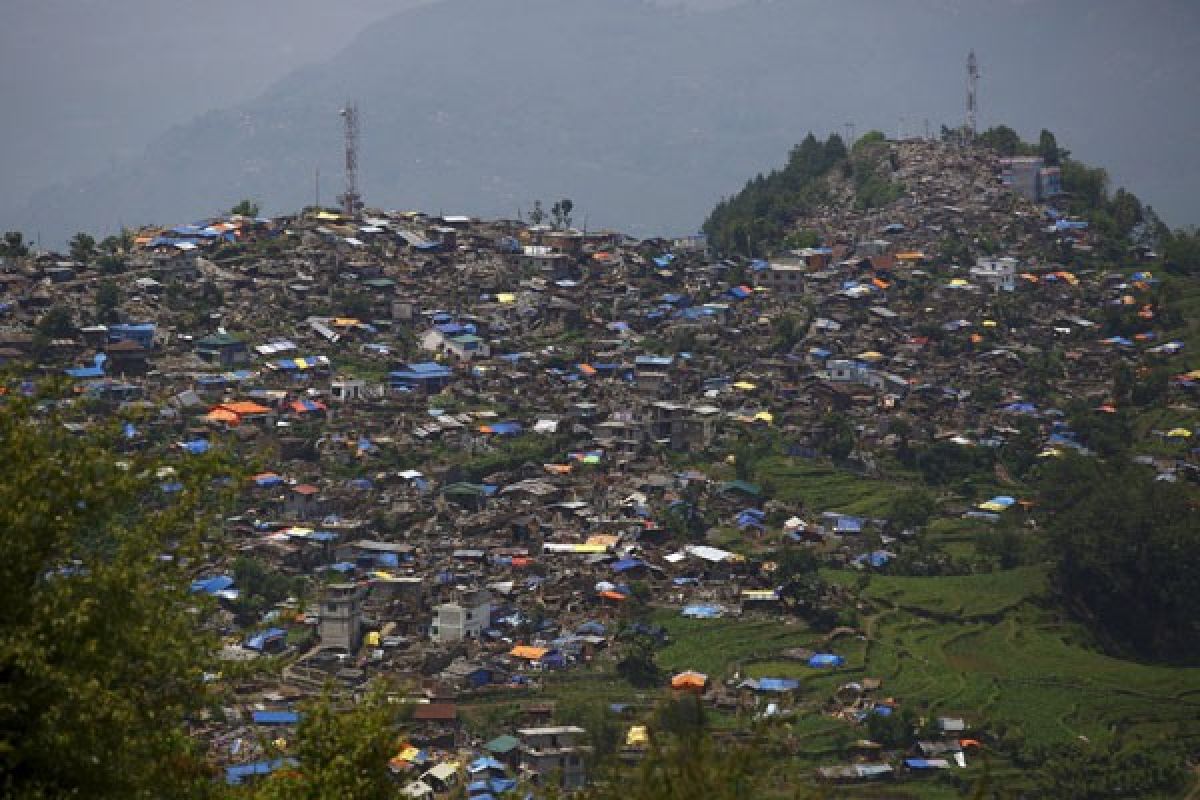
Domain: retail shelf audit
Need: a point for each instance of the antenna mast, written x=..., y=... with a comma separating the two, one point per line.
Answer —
x=351, y=200
x=972, y=85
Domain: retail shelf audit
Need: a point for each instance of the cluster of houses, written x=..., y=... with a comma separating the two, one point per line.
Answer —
x=478, y=443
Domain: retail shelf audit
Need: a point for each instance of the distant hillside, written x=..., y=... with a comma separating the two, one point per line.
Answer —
x=644, y=115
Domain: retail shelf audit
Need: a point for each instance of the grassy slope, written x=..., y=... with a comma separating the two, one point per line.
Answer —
x=822, y=487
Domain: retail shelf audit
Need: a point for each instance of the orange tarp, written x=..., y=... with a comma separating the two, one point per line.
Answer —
x=689, y=681
x=528, y=652
x=222, y=415
x=611, y=595
x=244, y=407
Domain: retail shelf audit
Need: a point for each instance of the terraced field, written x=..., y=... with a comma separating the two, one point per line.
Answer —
x=1008, y=663
x=826, y=488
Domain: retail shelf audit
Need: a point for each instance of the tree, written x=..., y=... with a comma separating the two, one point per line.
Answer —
x=246, y=208
x=1047, y=148
x=1126, y=211
x=100, y=656
x=561, y=212
x=1181, y=251
x=83, y=247
x=892, y=730
x=637, y=666
x=1003, y=139
x=14, y=245
x=108, y=298
x=912, y=509
x=837, y=437
x=1083, y=771
x=56, y=323
x=1127, y=549
x=683, y=763
x=341, y=754
x=537, y=215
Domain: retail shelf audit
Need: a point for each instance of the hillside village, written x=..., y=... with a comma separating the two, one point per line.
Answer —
x=503, y=464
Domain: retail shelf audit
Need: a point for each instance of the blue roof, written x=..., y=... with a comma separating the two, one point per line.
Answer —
x=212, y=585
x=826, y=660
x=778, y=684
x=235, y=775
x=259, y=640
x=626, y=564
x=484, y=762
x=427, y=367
x=848, y=525
x=275, y=717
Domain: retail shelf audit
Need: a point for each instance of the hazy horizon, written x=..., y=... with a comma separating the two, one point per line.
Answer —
x=101, y=86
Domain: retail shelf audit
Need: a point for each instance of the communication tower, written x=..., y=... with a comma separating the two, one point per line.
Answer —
x=972, y=86
x=351, y=200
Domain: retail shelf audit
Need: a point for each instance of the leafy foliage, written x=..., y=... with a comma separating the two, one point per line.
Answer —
x=1079, y=771
x=14, y=245
x=245, y=208
x=100, y=658
x=340, y=753
x=1127, y=562
x=757, y=219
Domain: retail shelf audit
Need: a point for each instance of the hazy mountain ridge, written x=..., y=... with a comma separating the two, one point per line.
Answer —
x=645, y=116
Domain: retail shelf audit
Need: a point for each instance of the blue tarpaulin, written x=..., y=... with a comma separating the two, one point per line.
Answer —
x=260, y=640
x=236, y=775
x=826, y=660
x=212, y=585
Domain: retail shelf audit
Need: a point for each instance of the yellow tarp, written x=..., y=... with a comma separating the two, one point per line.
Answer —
x=506, y=298
x=745, y=386
x=638, y=736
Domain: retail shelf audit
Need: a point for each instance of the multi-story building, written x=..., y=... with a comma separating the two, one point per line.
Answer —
x=555, y=754
x=465, y=617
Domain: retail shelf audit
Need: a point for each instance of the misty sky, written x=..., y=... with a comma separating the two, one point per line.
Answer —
x=89, y=84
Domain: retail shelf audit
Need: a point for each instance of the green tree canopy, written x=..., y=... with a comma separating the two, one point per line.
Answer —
x=245, y=208
x=100, y=657
x=1128, y=556
x=83, y=247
